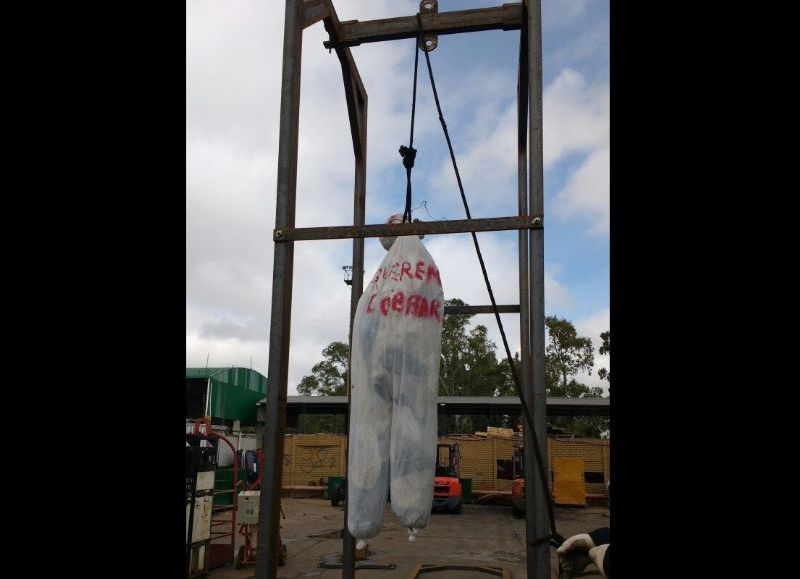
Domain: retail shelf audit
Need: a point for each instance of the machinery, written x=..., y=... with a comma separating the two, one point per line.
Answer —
x=201, y=462
x=210, y=527
x=337, y=489
x=518, y=486
x=248, y=507
x=446, y=484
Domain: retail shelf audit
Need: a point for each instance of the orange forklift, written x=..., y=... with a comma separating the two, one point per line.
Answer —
x=446, y=484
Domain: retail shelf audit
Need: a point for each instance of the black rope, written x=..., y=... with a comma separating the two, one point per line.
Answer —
x=526, y=411
x=409, y=153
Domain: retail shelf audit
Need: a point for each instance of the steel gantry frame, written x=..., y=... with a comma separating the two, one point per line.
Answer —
x=300, y=14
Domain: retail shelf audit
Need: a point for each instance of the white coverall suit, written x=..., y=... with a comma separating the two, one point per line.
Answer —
x=395, y=376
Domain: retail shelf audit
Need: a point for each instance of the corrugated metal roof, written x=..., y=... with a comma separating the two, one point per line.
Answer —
x=233, y=394
x=246, y=378
x=460, y=405
x=483, y=400
x=202, y=372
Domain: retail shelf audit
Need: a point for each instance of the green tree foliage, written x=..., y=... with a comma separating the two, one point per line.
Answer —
x=469, y=358
x=566, y=355
x=328, y=377
x=508, y=386
x=605, y=349
x=469, y=367
x=319, y=423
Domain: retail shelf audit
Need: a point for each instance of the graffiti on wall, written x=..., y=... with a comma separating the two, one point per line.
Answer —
x=320, y=458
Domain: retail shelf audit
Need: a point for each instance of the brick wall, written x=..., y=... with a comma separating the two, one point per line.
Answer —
x=308, y=459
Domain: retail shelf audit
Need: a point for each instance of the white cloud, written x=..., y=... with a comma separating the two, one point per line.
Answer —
x=576, y=123
x=576, y=116
x=592, y=45
x=592, y=326
x=233, y=72
x=488, y=167
x=557, y=14
x=462, y=278
x=586, y=193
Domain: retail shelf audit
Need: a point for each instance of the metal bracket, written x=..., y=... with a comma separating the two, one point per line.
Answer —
x=422, y=568
x=429, y=42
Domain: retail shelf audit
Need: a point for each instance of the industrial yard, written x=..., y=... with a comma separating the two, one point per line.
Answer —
x=486, y=527
x=482, y=535
x=414, y=407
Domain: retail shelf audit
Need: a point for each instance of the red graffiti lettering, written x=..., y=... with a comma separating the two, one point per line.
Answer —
x=423, y=307
x=397, y=301
x=406, y=269
x=412, y=305
x=434, y=273
x=435, y=309
x=394, y=273
x=420, y=269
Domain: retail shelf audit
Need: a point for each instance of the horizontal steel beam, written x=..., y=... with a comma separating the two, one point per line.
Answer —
x=480, y=309
x=505, y=17
x=401, y=229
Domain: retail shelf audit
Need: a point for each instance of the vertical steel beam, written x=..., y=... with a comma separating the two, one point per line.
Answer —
x=526, y=379
x=357, y=288
x=537, y=516
x=356, y=97
x=282, y=274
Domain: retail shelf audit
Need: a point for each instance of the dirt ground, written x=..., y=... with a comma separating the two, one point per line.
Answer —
x=484, y=535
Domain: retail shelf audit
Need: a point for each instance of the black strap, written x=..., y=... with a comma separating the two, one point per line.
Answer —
x=526, y=411
x=409, y=153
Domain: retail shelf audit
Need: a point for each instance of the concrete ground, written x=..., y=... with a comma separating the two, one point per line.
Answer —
x=481, y=535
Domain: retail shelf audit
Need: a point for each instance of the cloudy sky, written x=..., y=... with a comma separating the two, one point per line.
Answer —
x=233, y=70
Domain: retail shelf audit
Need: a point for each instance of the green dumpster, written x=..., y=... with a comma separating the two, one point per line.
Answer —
x=337, y=486
x=466, y=490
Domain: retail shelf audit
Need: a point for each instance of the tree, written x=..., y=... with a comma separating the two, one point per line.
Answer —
x=508, y=386
x=605, y=349
x=328, y=377
x=566, y=355
x=582, y=426
x=468, y=367
x=469, y=361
